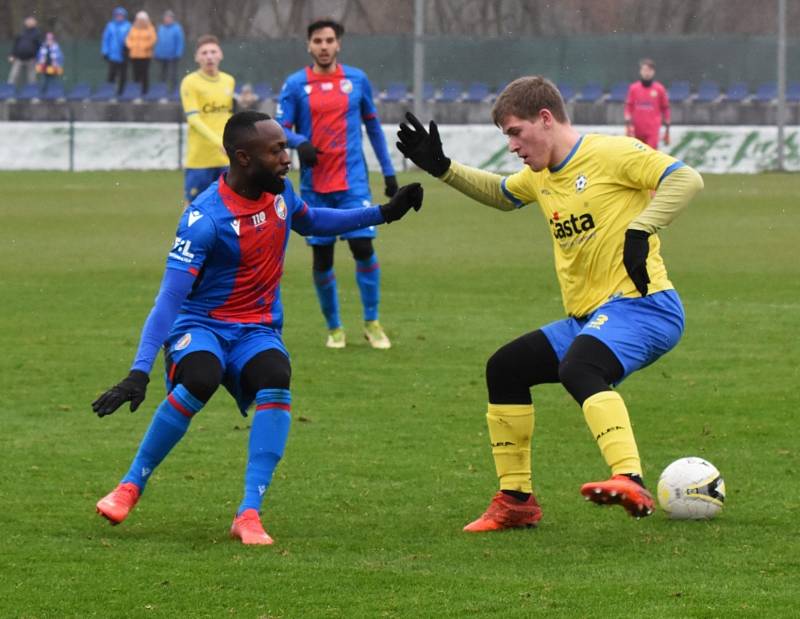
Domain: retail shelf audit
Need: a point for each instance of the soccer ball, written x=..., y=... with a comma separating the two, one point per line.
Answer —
x=691, y=489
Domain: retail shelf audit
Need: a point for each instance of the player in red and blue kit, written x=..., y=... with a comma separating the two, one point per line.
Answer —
x=325, y=103
x=218, y=313
x=647, y=107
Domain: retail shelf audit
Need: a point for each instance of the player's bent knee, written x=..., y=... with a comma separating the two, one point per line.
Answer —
x=200, y=373
x=499, y=367
x=269, y=369
x=589, y=367
x=581, y=380
x=362, y=249
x=322, y=257
x=503, y=379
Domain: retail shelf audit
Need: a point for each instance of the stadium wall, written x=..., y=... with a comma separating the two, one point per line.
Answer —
x=468, y=113
x=147, y=146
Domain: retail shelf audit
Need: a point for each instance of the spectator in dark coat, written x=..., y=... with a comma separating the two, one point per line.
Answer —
x=23, y=53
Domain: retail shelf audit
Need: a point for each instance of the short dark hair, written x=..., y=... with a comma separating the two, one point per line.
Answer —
x=526, y=97
x=647, y=62
x=205, y=39
x=326, y=22
x=239, y=128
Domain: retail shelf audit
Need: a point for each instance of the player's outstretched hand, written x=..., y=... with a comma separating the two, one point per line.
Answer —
x=307, y=153
x=389, y=186
x=634, y=257
x=132, y=389
x=407, y=197
x=423, y=147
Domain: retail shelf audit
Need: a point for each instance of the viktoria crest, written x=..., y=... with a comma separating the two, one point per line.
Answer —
x=183, y=342
x=280, y=207
x=346, y=86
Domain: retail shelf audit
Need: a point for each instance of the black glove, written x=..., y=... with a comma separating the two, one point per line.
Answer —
x=423, y=147
x=407, y=197
x=634, y=257
x=390, y=185
x=132, y=389
x=307, y=153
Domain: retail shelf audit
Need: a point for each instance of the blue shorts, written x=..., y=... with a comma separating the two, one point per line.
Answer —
x=343, y=200
x=234, y=344
x=637, y=330
x=197, y=180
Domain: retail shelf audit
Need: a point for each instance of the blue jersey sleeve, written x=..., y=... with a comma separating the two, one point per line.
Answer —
x=333, y=222
x=194, y=240
x=286, y=114
x=175, y=287
x=369, y=115
x=329, y=221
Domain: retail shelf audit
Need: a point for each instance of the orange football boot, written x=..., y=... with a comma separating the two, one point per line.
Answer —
x=247, y=527
x=620, y=490
x=118, y=503
x=506, y=512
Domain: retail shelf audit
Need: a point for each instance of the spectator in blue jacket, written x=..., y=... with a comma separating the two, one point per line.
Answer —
x=113, y=47
x=169, y=49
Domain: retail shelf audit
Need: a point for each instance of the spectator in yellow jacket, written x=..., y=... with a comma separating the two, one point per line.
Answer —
x=140, y=41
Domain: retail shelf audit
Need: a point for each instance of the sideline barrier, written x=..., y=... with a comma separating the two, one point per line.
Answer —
x=83, y=146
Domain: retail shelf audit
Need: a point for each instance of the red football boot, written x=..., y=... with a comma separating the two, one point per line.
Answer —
x=118, y=503
x=247, y=527
x=506, y=512
x=620, y=490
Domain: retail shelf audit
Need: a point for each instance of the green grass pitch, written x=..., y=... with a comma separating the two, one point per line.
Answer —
x=388, y=456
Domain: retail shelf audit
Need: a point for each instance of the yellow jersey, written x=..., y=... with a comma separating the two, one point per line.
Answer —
x=211, y=99
x=588, y=201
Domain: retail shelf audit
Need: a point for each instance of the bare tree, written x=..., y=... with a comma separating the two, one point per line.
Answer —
x=85, y=19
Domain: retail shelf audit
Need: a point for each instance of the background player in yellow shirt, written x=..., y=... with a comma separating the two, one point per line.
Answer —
x=595, y=194
x=207, y=98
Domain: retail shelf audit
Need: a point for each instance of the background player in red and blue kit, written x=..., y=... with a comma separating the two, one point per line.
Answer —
x=218, y=313
x=326, y=103
x=647, y=107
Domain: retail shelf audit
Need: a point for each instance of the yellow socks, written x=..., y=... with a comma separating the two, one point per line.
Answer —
x=510, y=430
x=608, y=420
x=511, y=427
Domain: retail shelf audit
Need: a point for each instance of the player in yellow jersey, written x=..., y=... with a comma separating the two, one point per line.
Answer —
x=595, y=194
x=207, y=98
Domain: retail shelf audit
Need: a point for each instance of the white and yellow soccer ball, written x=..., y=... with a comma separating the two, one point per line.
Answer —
x=691, y=489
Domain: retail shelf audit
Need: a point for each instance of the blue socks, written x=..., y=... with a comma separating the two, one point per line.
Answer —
x=169, y=424
x=368, y=277
x=268, y=434
x=328, y=294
